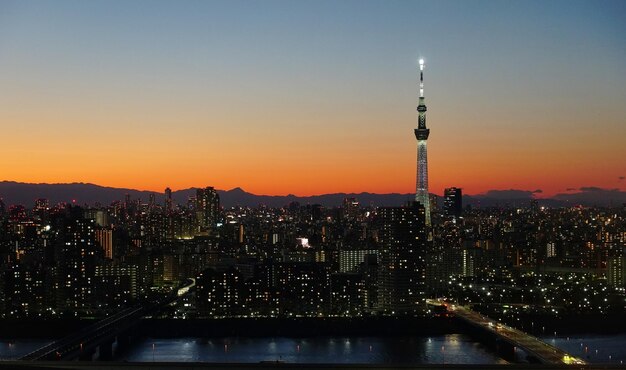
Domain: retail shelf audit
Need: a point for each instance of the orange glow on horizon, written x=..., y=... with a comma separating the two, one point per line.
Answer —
x=294, y=149
x=343, y=158
x=311, y=98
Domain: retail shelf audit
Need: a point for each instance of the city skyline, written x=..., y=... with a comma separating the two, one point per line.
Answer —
x=313, y=98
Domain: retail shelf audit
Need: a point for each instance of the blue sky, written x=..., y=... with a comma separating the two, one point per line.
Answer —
x=508, y=84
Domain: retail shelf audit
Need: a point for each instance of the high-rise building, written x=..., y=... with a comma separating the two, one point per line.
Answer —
x=115, y=284
x=168, y=200
x=616, y=273
x=350, y=208
x=102, y=218
x=421, y=134
x=351, y=259
x=26, y=290
x=153, y=229
x=403, y=241
x=347, y=294
x=104, y=237
x=170, y=226
x=453, y=202
x=468, y=263
x=207, y=209
x=78, y=255
x=444, y=257
x=219, y=294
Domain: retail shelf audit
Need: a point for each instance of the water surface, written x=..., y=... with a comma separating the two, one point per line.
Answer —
x=454, y=348
x=593, y=348
x=12, y=350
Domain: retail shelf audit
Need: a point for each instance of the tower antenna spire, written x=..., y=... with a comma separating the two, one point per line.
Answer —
x=421, y=78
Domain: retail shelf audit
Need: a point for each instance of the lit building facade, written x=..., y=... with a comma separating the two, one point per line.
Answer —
x=104, y=237
x=78, y=255
x=403, y=242
x=453, y=202
x=207, y=209
x=351, y=259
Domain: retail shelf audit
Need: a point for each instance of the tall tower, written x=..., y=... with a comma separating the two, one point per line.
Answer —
x=421, y=134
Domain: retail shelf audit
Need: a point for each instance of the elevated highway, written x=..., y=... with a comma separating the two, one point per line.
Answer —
x=101, y=335
x=85, y=341
x=536, y=349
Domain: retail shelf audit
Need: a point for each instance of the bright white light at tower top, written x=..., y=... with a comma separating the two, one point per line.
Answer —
x=421, y=62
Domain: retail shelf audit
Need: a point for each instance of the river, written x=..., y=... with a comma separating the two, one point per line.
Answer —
x=400, y=350
x=453, y=348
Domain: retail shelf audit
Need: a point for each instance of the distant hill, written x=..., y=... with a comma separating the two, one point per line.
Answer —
x=84, y=193
x=80, y=193
x=238, y=196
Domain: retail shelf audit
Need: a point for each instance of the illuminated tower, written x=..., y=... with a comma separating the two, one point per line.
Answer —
x=421, y=134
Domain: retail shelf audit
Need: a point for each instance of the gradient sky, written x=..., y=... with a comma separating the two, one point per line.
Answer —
x=310, y=97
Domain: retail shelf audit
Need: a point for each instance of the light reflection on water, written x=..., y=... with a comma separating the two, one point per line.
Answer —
x=605, y=349
x=11, y=350
x=453, y=348
x=390, y=350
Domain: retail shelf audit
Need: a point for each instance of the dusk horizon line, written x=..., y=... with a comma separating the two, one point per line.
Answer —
x=536, y=193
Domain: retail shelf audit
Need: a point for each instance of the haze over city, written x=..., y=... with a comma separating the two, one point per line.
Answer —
x=282, y=97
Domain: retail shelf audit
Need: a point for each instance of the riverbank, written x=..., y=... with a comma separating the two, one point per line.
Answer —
x=298, y=327
x=310, y=326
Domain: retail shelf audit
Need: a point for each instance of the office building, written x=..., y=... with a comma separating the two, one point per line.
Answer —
x=453, y=202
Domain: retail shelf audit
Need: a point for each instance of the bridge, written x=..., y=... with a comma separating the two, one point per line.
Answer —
x=84, y=343
x=101, y=335
x=536, y=349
